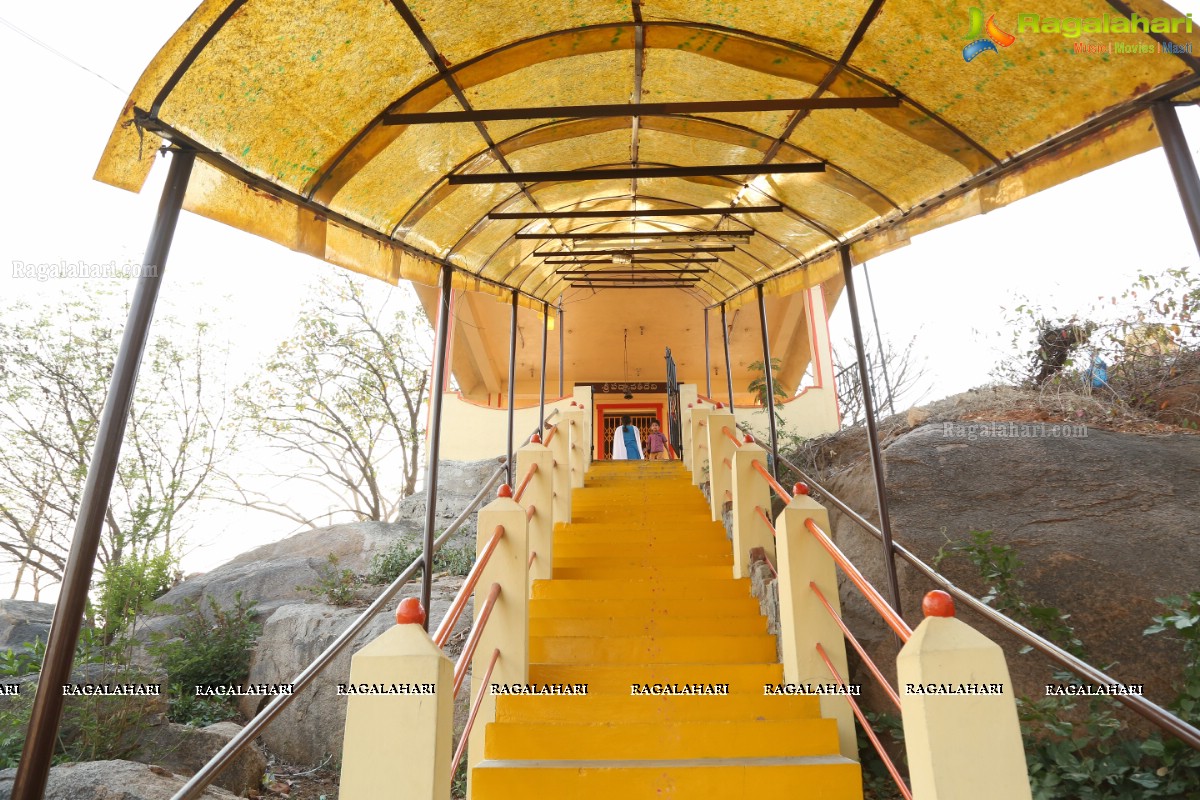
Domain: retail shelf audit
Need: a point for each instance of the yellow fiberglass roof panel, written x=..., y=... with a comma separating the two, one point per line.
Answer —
x=445, y=224
x=283, y=85
x=1017, y=96
x=287, y=106
x=386, y=188
x=673, y=76
x=583, y=80
x=899, y=167
x=823, y=25
x=461, y=29
x=610, y=147
x=661, y=147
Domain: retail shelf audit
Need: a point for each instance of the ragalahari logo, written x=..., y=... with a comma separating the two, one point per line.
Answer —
x=984, y=36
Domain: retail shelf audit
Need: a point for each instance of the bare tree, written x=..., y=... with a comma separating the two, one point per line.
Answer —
x=344, y=397
x=54, y=372
x=895, y=379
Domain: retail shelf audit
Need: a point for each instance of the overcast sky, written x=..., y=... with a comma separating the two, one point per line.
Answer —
x=1063, y=247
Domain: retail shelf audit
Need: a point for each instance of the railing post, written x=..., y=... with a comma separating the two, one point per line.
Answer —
x=698, y=445
x=508, y=627
x=688, y=398
x=571, y=424
x=539, y=493
x=803, y=621
x=383, y=760
x=583, y=396
x=959, y=745
x=560, y=456
x=750, y=491
x=720, y=447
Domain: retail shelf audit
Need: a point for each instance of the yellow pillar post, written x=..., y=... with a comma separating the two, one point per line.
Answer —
x=573, y=425
x=720, y=447
x=699, y=445
x=961, y=731
x=560, y=454
x=688, y=398
x=803, y=621
x=539, y=493
x=507, y=628
x=583, y=396
x=750, y=491
x=398, y=746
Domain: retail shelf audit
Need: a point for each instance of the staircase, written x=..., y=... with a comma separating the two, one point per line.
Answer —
x=642, y=595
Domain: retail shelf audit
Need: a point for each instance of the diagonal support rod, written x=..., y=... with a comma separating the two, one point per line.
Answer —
x=33, y=769
x=864, y=378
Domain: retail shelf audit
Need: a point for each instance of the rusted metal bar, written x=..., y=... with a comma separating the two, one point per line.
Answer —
x=866, y=726
x=464, y=593
x=576, y=175
x=872, y=595
x=640, y=109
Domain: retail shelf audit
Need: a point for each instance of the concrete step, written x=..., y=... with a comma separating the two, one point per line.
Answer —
x=660, y=649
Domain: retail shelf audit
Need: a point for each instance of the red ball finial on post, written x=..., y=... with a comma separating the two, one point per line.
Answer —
x=504, y=491
x=800, y=488
x=536, y=439
x=720, y=405
x=938, y=604
x=748, y=439
x=689, y=405
x=574, y=404
x=409, y=612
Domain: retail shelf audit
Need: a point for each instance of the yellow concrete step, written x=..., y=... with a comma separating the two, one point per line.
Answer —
x=661, y=649
x=653, y=708
x=747, y=679
x=613, y=608
x=647, y=571
x=675, y=624
x=793, y=778
x=676, y=589
x=645, y=549
x=661, y=740
x=636, y=561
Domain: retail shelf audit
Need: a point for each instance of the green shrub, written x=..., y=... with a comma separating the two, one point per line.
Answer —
x=334, y=585
x=387, y=566
x=208, y=649
x=129, y=586
x=1076, y=752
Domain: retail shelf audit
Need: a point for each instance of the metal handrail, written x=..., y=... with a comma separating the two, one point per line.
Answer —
x=195, y=785
x=530, y=513
x=533, y=468
x=837, y=619
x=550, y=435
x=464, y=659
x=464, y=593
x=727, y=463
x=1147, y=709
x=774, y=484
x=462, y=742
x=763, y=516
x=894, y=621
x=866, y=726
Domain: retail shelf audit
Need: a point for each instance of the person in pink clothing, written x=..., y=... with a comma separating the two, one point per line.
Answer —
x=657, y=442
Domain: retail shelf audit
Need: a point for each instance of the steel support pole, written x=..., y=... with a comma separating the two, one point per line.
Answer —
x=1183, y=168
x=728, y=369
x=864, y=379
x=542, y=386
x=887, y=383
x=708, y=361
x=435, y=437
x=34, y=767
x=561, y=391
x=769, y=380
x=512, y=384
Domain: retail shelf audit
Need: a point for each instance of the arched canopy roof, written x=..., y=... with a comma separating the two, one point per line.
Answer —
x=288, y=105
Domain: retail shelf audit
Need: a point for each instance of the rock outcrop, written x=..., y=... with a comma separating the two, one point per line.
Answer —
x=1104, y=523
x=184, y=749
x=110, y=780
x=23, y=622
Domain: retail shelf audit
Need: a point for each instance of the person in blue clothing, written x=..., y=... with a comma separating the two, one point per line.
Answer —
x=627, y=441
